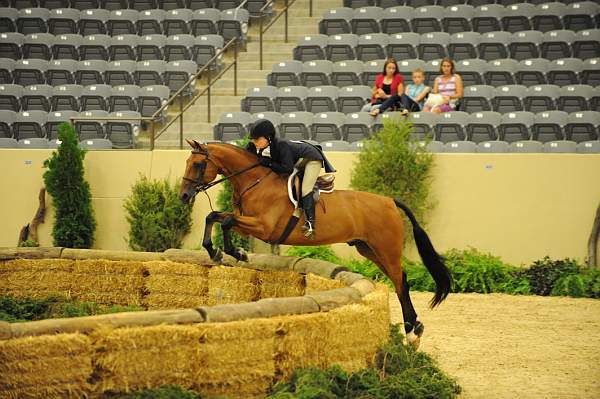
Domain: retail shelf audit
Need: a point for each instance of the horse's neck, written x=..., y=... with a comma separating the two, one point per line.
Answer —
x=233, y=160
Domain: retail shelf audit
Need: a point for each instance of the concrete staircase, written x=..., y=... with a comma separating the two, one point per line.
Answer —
x=275, y=49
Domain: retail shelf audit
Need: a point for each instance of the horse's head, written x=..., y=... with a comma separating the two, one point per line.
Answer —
x=199, y=170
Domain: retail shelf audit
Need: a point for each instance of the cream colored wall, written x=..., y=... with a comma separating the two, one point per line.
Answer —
x=518, y=206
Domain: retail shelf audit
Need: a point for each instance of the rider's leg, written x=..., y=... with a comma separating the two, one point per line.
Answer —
x=311, y=173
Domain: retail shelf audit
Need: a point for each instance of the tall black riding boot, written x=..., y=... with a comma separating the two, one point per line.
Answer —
x=308, y=205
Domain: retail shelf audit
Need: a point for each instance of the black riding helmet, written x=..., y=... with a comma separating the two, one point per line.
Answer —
x=263, y=128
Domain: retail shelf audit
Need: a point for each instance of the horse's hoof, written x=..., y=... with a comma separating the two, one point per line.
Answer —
x=419, y=328
x=240, y=255
x=217, y=257
x=413, y=340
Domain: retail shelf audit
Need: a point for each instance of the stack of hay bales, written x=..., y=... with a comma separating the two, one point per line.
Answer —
x=35, y=278
x=171, y=285
x=232, y=285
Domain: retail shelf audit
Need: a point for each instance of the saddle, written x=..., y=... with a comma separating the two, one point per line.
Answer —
x=324, y=184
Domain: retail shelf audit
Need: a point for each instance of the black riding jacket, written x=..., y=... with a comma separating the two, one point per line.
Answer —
x=285, y=153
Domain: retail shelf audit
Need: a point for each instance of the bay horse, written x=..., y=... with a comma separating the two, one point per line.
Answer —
x=370, y=222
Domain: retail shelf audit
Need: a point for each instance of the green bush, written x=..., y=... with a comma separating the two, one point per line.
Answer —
x=18, y=309
x=158, y=220
x=74, y=222
x=29, y=243
x=543, y=274
x=225, y=204
x=394, y=165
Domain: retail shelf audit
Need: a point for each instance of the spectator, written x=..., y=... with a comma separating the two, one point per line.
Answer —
x=413, y=98
x=449, y=86
x=388, y=83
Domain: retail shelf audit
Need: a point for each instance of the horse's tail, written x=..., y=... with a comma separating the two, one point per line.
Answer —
x=433, y=262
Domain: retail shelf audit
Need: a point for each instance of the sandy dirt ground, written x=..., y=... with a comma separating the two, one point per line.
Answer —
x=504, y=346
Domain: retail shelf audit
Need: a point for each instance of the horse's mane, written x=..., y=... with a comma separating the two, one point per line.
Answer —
x=240, y=150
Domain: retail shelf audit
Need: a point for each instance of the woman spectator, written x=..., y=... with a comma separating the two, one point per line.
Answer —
x=387, y=83
x=449, y=86
x=413, y=98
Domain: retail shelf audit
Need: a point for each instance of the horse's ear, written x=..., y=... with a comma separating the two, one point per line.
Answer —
x=192, y=143
x=197, y=145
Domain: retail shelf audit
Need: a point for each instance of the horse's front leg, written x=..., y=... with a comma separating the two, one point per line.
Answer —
x=238, y=253
x=246, y=225
x=215, y=254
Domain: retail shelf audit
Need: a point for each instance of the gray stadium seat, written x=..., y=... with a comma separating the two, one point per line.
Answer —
x=557, y=44
x=200, y=4
x=179, y=47
x=150, y=47
x=234, y=23
x=177, y=22
x=472, y=71
x=457, y=18
x=285, y=73
x=316, y=73
x=33, y=142
x=582, y=126
x=353, y=98
x=94, y=47
x=501, y=72
x=38, y=45
x=336, y=145
x=587, y=44
x=589, y=147
x=93, y=22
x=63, y=21
x=341, y=47
x=477, y=98
x=509, y=98
x=29, y=124
x=90, y=72
x=357, y=127
x=486, y=18
x=151, y=98
x=36, y=98
x=259, y=99
x=67, y=47
x=590, y=75
x=548, y=126
x=541, y=98
x=483, y=126
x=427, y=19
x=517, y=17
x=120, y=73
x=122, y=22
x=515, y=126
x=296, y=125
x=548, y=16
x=85, y=4
x=311, y=47
x=372, y=46
x=55, y=119
x=423, y=124
x=366, y=20
x=493, y=147
x=432, y=70
x=7, y=65
x=580, y=15
x=141, y=5
x=463, y=45
x=336, y=21
x=291, y=99
x=322, y=99
x=232, y=126
x=30, y=72
x=460, y=146
x=357, y=146
x=123, y=98
x=327, y=126
x=273, y=117
x=396, y=19
x=526, y=146
x=96, y=144
x=123, y=47
x=95, y=97
x=575, y=98
x=434, y=146
x=560, y=147
x=32, y=20
x=66, y=97
x=122, y=133
x=370, y=71
x=61, y=72
x=178, y=73
x=403, y=45
x=564, y=71
x=8, y=18
x=205, y=48
x=452, y=126
x=405, y=67
x=8, y=142
x=204, y=21
x=114, y=4
x=7, y=118
x=525, y=44
x=10, y=97
x=494, y=45
x=91, y=129
x=150, y=72
x=346, y=73
x=150, y=22
x=532, y=72
x=433, y=45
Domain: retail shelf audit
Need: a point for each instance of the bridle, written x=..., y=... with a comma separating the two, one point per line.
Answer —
x=197, y=183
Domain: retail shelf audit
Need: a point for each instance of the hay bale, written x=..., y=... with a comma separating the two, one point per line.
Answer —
x=316, y=283
x=134, y=256
x=175, y=285
x=108, y=282
x=30, y=253
x=238, y=358
x=35, y=278
x=278, y=284
x=45, y=366
x=5, y=330
x=232, y=285
x=187, y=256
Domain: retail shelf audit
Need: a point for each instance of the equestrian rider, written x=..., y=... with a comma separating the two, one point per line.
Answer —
x=284, y=156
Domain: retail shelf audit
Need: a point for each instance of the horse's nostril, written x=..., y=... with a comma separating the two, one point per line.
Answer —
x=185, y=197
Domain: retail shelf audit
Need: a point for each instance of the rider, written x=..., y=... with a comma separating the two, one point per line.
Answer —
x=284, y=156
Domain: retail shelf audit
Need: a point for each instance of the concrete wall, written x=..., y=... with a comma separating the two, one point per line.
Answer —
x=518, y=206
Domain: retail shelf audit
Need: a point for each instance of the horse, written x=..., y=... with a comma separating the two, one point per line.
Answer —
x=370, y=222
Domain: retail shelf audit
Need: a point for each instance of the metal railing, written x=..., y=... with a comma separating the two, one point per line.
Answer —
x=263, y=29
x=178, y=95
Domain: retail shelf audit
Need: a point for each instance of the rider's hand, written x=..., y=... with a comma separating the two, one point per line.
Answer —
x=251, y=147
x=267, y=162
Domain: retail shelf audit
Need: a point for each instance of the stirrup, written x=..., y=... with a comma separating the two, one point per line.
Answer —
x=308, y=230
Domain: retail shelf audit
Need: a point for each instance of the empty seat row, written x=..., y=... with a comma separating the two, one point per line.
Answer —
x=461, y=17
x=476, y=98
x=39, y=124
x=463, y=45
x=228, y=23
x=43, y=143
x=144, y=73
x=532, y=72
x=44, y=46
x=448, y=127
x=146, y=100
x=253, y=6
x=443, y=3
